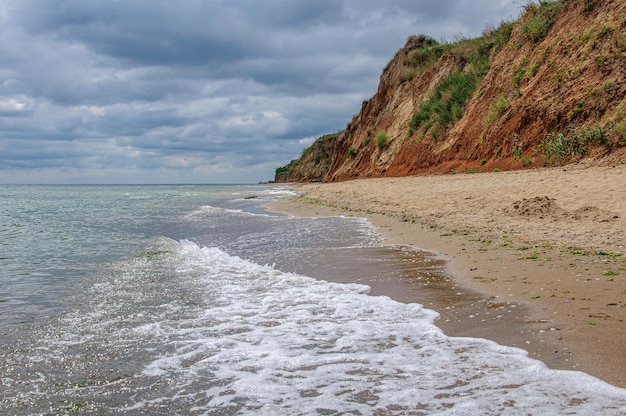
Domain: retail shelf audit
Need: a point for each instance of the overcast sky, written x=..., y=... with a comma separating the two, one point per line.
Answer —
x=196, y=91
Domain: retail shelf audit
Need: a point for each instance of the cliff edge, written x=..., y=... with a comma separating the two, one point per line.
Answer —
x=544, y=90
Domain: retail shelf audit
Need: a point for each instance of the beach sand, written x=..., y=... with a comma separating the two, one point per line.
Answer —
x=536, y=259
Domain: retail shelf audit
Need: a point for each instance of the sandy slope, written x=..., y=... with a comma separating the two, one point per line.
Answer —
x=552, y=241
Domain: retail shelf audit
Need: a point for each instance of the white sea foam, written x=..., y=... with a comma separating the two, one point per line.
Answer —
x=193, y=330
x=205, y=210
x=278, y=192
x=280, y=343
x=112, y=319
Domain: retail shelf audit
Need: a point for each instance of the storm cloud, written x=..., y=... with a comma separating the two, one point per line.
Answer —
x=215, y=91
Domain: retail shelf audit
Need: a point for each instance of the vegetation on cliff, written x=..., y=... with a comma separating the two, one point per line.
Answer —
x=546, y=89
x=446, y=103
x=315, y=162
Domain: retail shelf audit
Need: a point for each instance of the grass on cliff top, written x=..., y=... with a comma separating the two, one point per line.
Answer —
x=320, y=140
x=447, y=102
x=539, y=17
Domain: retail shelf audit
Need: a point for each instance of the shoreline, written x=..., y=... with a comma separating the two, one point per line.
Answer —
x=537, y=255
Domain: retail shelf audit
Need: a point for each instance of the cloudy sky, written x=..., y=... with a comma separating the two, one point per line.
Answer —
x=196, y=91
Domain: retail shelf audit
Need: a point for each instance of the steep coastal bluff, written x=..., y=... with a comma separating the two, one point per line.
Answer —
x=547, y=89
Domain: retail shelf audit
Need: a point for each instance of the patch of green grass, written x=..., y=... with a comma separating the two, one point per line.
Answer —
x=519, y=75
x=610, y=273
x=382, y=140
x=559, y=75
x=423, y=51
x=407, y=75
x=604, y=253
x=352, y=152
x=559, y=146
x=447, y=102
x=539, y=17
x=620, y=130
x=604, y=31
x=587, y=6
x=468, y=171
x=584, y=38
x=596, y=253
x=532, y=71
x=498, y=108
x=527, y=161
x=620, y=43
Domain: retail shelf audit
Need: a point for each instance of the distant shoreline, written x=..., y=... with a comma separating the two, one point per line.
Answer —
x=548, y=240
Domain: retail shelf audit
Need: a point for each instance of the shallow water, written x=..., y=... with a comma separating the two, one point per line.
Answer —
x=192, y=300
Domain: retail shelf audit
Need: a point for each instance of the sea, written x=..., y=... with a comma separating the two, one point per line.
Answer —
x=195, y=300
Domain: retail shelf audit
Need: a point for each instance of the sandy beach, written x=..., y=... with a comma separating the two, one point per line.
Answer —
x=537, y=259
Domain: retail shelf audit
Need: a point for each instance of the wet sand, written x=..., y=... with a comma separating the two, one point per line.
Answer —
x=533, y=259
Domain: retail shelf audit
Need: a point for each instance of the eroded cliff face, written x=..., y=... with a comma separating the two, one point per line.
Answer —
x=547, y=89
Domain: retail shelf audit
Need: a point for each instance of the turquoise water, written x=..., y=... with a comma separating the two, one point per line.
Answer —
x=194, y=300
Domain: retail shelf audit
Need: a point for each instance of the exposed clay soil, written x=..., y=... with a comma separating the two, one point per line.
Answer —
x=570, y=80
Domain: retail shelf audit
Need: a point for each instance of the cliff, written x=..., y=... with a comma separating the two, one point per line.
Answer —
x=547, y=89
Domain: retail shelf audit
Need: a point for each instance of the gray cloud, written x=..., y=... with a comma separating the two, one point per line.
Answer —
x=195, y=91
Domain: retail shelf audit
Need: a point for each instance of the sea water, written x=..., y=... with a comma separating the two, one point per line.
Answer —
x=192, y=300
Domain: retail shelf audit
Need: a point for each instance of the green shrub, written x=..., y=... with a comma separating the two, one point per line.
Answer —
x=620, y=129
x=593, y=134
x=556, y=145
x=423, y=51
x=587, y=5
x=501, y=35
x=447, y=102
x=498, y=108
x=605, y=31
x=352, y=152
x=561, y=147
x=281, y=169
x=382, y=140
x=527, y=161
x=539, y=18
x=407, y=75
